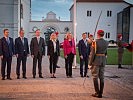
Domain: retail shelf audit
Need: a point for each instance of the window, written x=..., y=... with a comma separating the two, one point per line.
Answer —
x=109, y=13
x=21, y=11
x=107, y=35
x=88, y=13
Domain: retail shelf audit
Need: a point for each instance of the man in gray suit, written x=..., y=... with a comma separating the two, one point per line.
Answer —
x=37, y=48
x=97, y=62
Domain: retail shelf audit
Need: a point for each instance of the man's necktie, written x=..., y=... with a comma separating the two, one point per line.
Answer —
x=22, y=40
x=8, y=41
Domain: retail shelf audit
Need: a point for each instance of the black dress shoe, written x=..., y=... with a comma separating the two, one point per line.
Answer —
x=34, y=76
x=86, y=76
x=57, y=66
x=99, y=96
x=18, y=77
x=95, y=95
x=25, y=77
x=82, y=76
x=54, y=77
x=40, y=77
x=3, y=78
x=9, y=78
x=120, y=67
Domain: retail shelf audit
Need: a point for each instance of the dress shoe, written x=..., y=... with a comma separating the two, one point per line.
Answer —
x=54, y=77
x=71, y=76
x=24, y=77
x=82, y=76
x=99, y=96
x=34, y=76
x=9, y=78
x=120, y=67
x=95, y=95
x=3, y=78
x=86, y=76
x=18, y=77
x=40, y=76
x=57, y=66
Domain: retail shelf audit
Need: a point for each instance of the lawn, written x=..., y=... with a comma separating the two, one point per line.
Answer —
x=113, y=56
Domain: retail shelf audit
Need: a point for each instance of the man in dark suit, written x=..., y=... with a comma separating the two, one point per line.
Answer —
x=84, y=51
x=6, y=53
x=53, y=52
x=97, y=62
x=21, y=51
x=37, y=48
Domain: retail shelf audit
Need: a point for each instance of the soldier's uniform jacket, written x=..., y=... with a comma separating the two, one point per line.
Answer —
x=98, y=56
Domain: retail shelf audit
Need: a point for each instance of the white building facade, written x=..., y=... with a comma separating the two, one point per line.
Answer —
x=16, y=14
x=88, y=12
x=13, y=15
x=50, y=24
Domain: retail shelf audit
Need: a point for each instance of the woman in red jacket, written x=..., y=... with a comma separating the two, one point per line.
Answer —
x=69, y=52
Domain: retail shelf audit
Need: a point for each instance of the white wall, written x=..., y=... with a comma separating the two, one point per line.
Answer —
x=131, y=25
x=15, y=18
x=7, y=16
x=88, y=24
x=59, y=25
x=26, y=16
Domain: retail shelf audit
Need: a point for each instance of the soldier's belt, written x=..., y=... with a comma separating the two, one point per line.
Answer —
x=100, y=54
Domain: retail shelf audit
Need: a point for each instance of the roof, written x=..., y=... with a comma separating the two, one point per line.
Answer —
x=52, y=13
x=99, y=0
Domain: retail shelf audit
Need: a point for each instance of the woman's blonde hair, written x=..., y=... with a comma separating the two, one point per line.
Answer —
x=52, y=35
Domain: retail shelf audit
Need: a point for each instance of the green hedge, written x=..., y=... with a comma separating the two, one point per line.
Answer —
x=113, y=56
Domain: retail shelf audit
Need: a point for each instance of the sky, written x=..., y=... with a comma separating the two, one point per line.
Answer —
x=39, y=8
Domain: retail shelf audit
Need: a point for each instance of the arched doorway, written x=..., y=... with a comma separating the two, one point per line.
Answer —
x=48, y=30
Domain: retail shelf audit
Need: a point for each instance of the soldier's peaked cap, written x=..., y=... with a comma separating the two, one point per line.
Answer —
x=100, y=32
x=119, y=35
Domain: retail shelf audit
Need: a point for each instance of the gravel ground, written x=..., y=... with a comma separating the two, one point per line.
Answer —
x=118, y=84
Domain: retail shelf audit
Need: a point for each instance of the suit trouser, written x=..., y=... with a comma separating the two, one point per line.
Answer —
x=8, y=61
x=39, y=59
x=21, y=58
x=53, y=63
x=68, y=65
x=98, y=72
x=82, y=61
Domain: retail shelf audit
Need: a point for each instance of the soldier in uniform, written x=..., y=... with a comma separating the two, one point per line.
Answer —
x=120, y=50
x=97, y=62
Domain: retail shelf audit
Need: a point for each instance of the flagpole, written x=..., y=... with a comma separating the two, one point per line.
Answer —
x=74, y=26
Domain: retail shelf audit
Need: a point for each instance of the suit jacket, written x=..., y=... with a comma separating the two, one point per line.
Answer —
x=68, y=48
x=83, y=49
x=101, y=48
x=36, y=47
x=7, y=49
x=20, y=47
x=50, y=48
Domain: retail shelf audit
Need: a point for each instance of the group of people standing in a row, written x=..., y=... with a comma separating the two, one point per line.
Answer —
x=96, y=50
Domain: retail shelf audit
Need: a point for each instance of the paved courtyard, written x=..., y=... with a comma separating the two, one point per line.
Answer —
x=118, y=84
